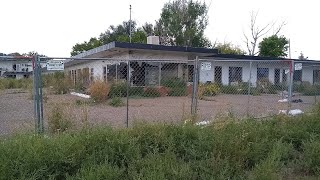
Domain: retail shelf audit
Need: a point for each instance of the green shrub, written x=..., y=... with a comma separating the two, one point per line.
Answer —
x=211, y=89
x=118, y=90
x=229, y=89
x=151, y=92
x=116, y=102
x=135, y=91
x=173, y=83
x=276, y=148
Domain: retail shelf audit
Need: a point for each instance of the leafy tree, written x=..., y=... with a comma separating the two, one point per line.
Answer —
x=182, y=23
x=229, y=48
x=274, y=46
x=118, y=33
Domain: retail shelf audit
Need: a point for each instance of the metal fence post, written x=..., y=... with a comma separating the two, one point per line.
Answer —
x=41, y=125
x=159, y=74
x=38, y=102
x=249, y=87
x=34, y=95
x=291, y=71
x=128, y=86
x=195, y=85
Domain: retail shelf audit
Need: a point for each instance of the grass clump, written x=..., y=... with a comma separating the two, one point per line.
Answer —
x=277, y=148
x=116, y=102
x=10, y=83
x=59, y=120
x=58, y=81
x=99, y=91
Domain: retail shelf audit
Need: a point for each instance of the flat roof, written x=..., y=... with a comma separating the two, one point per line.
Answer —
x=246, y=57
x=138, y=46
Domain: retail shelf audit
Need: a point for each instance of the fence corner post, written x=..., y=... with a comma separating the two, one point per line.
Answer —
x=195, y=85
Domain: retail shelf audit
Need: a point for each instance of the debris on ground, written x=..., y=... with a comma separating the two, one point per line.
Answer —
x=293, y=112
x=81, y=95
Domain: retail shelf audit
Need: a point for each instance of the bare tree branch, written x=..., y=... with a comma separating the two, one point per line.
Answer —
x=256, y=33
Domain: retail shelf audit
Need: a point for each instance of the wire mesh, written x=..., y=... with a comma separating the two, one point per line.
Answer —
x=120, y=92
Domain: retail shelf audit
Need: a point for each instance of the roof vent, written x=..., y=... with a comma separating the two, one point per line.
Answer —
x=153, y=40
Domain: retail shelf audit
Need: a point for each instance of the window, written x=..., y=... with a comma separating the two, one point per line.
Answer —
x=277, y=76
x=235, y=74
x=316, y=77
x=262, y=73
x=91, y=74
x=104, y=69
x=297, y=76
x=190, y=73
x=284, y=76
x=218, y=74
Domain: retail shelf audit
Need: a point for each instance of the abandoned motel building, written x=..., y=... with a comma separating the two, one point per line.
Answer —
x=150, y=63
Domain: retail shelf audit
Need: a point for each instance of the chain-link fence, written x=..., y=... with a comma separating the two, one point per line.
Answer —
x=120, y=91
x=16, y=100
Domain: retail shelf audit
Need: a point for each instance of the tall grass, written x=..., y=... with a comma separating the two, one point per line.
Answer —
x=10, y=83
x=278, y=148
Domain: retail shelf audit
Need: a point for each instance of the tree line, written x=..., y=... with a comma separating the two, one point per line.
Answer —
x=182, y=23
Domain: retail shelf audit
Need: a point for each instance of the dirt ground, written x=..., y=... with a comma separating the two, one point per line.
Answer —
x=16, y=109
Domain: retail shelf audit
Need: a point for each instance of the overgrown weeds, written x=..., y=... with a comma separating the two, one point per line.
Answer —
x=248, y=149
x=99, y=91
x=10, y=83
x=59, y=120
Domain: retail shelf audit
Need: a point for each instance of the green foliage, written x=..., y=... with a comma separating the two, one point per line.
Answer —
x=229, y=48
x=60, y=83
x=120, y=90
x=307, y=89
x=118, y=33
x=211, y=89
x=59, y=120
x=173, y=83
x=116, y=102
x=274, y=46
x=151, y=92
x=266, y=87
x=9, y=83
x=276, y=148
x=183, y=23
x=177, y=86
x=169, y=152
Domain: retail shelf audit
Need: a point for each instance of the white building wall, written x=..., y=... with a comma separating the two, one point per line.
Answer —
x=97, y=65
x=209, y=75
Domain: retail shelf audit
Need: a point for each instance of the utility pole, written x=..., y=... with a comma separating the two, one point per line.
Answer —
x=130, y=37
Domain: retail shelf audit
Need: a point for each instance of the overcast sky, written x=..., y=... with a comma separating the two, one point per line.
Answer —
x=52, y=27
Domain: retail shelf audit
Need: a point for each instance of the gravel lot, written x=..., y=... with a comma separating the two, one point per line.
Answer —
x=16, y=109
